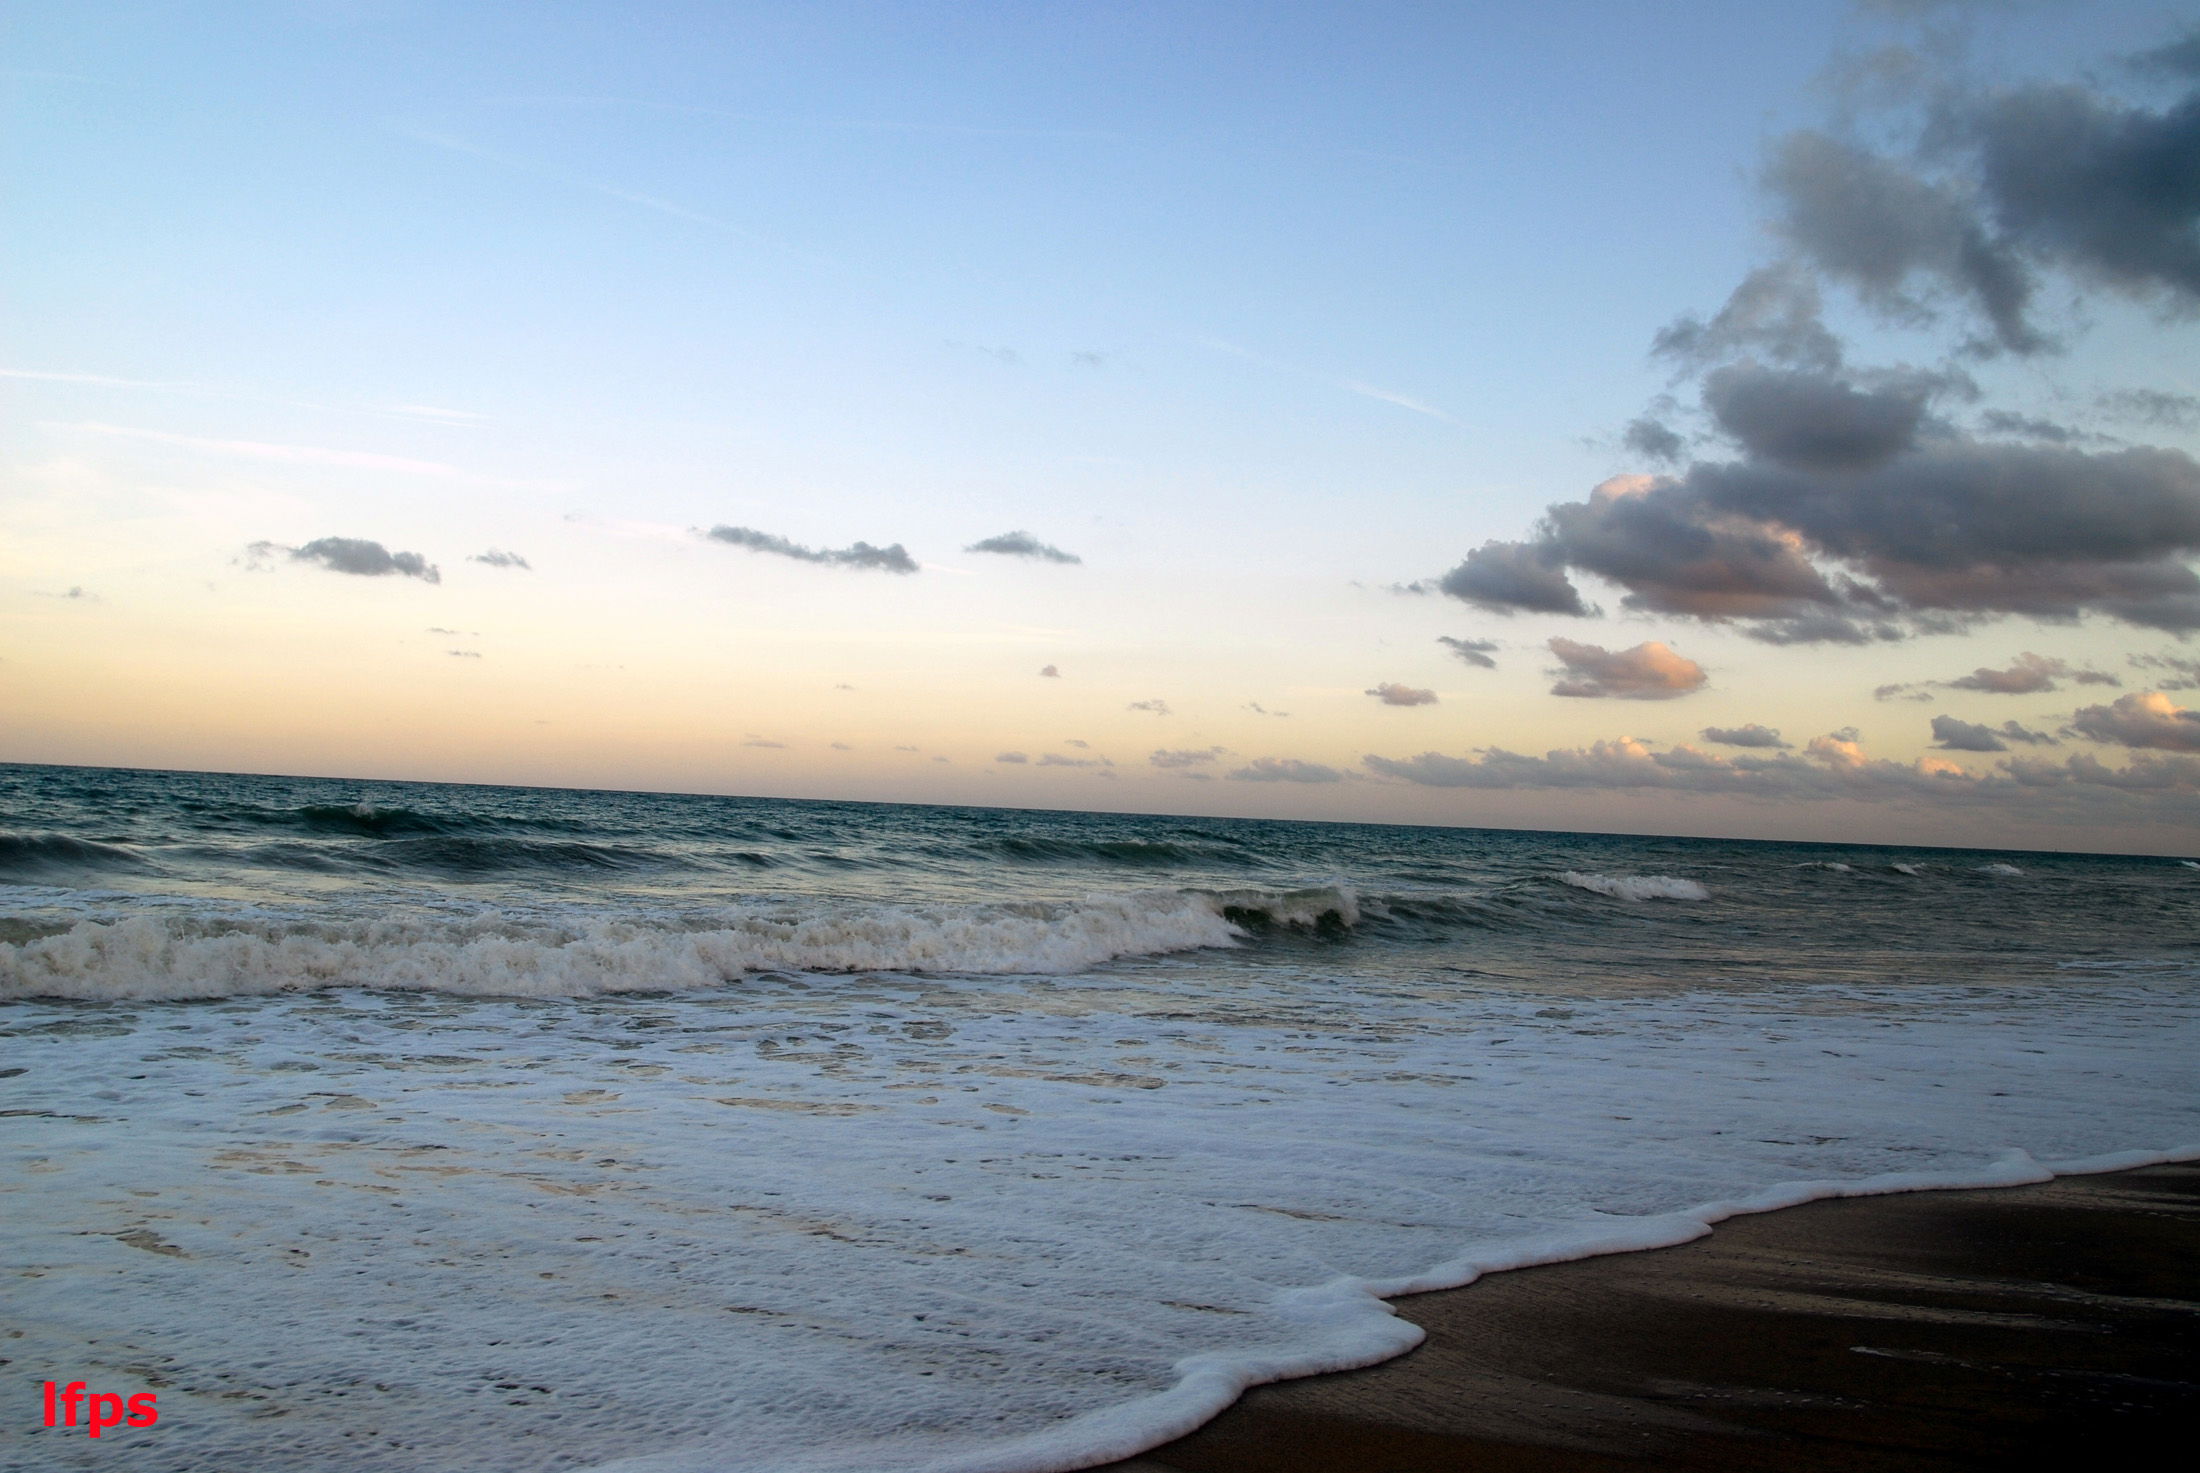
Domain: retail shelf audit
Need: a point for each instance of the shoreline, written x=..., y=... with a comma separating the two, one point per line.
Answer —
x=1938, y=1329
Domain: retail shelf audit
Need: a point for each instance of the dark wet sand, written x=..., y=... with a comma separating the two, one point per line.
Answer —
x=2045, y=1326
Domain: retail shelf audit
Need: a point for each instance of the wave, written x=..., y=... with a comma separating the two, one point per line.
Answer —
x=1324, y=910
x=42, y=854
x=1906, y=869
x=2002, y=870
x=160, y=957
x=367, y=820
x=1637, y=887
x=1131, y=853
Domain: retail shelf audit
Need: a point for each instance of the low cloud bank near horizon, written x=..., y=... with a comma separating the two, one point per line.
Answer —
x=1285, y=770
x=890, y=559
x=1834, y=766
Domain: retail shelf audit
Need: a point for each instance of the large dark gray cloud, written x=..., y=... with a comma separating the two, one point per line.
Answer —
x=890, y=559
x=1953, y=525
x=1849, y=505
x=1023, y=544
x=354, y=555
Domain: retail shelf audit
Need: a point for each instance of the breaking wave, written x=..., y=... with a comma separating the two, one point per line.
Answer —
x=157, y=957
x=1637, y=887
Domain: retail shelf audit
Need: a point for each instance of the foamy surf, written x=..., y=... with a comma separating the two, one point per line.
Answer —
x=1637, y=887
x=146, y=957
x=890, y=1227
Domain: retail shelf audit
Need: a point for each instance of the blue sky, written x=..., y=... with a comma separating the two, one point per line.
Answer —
x=1261, y=310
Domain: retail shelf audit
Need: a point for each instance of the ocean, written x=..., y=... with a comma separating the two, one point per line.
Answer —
x=395, y=1126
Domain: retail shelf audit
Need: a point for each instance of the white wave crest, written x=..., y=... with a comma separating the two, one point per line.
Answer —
x=1905, y=869
x=2004, y=870
x=152, y=957
x=1637, y=887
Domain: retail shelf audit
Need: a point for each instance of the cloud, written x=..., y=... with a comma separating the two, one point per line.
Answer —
x=1259, y=710
x=1751, y=735
x=2186, y=673
x=2150, y=407
x=1182, y=757
x=1391, y=693
x=1055, y=759
x=497, y=559
x=1013, y=757
x=1648, y=672
x=761, y=742
x=2141, y=719
x=464, y=654
x=1076, y=742
x=1285, y=770
x=354, y=555
x=891, y=559
x=1654, y=440
x=2027, y=674
x=1907, y=690
x=1475, y=652
x=841, y=747
x=1848, y=505
x=1513, y=578
x=1156, y=707
x=1023, y=544
x=1965, y=736
x=1832, y=767
x=1389, y=396
x=1050, y=672
x=2031, y=427
x=1908, y=529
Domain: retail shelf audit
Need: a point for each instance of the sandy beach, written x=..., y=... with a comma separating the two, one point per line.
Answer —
x=2004, y=1328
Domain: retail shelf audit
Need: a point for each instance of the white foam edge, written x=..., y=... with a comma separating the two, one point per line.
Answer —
x=1356, y=1326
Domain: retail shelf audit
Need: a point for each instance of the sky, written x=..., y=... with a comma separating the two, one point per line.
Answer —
x=1727, y=419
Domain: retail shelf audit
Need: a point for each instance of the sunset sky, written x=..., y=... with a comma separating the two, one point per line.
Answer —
x=1725, y=418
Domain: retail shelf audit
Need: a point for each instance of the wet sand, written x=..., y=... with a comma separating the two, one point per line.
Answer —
x=2020, y=1327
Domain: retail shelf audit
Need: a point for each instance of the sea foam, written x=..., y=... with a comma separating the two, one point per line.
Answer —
x=1637, y=887
x=151, y=956
x=894, y=1226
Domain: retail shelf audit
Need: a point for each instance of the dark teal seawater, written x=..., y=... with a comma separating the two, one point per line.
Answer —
x=204, y=854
